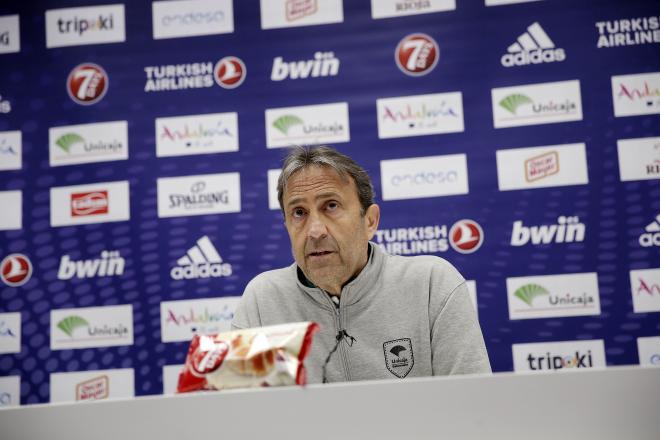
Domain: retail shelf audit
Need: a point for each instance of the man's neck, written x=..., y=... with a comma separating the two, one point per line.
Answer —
x=333, y=290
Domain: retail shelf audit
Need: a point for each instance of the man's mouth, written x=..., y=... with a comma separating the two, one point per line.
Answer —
x=319, y=253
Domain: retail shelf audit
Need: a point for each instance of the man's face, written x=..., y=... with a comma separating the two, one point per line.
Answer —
x=328, y=233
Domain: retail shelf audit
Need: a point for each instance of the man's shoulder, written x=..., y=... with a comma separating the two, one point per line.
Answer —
x=424, y=266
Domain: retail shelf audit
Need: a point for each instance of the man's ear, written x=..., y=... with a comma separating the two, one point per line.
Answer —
x=371, y=218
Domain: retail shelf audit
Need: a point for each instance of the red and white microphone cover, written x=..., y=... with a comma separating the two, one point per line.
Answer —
x=254, y=357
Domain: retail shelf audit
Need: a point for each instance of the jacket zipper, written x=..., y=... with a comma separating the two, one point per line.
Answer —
x=342, y=348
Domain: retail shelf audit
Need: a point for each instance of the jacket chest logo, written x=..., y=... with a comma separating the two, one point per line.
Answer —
x=399, y=358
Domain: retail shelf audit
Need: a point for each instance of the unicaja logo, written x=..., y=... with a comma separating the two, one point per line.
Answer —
x=201, y=261
x=323, y=64
x=532, y=47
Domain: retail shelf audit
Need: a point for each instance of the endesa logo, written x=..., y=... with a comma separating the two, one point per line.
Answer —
x=559, y=356
x=201, y=261
x=15, y=270
x=417, y=54
x=189, y=18
x=651, y=238
x=87, y=84
x=89, y=203
x=532, y=47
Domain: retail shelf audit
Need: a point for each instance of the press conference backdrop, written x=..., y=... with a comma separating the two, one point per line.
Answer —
x=140, y=142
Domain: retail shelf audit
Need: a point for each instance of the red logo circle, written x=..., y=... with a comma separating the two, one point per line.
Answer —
x=208, y=359
x=15, y=270
x=417, y=54
x=229, y=72
x=466, y=236
x=87, y=83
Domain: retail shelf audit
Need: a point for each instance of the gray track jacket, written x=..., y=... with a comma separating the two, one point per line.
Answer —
x=410, y=317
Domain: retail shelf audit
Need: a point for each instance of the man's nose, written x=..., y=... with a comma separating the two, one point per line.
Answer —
x=317, y=228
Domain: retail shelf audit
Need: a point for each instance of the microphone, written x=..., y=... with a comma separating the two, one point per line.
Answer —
x=342, y=334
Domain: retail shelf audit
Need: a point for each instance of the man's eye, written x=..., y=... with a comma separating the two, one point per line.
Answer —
x=332, y=206
x=297, y=213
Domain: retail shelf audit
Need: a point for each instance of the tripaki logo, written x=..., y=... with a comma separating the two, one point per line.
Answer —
x=292, y=13
x=180, y=320
x=466, y=236
x=196, y=134
x=323, y=64
x=568, y=229
x=86, y=25
x=10, y=38
x=189, y=18
x=201, y=261
x=109, y=264
x=93, y=203
x=542, y=167
x=15, y=270
x=307, y=125
x=628, y=31
x=199, y=195
x=420, y=115
x=639, y=159
x=558, y=356
x=92, y=385
x=532, y=47
x=11, y=151
x=10, y=333
x=651, y=237
x=645, y=289
x=537, y=104
x=420, y=177
x=397, y=8
x=91, y=327
x=11, y=215
x=417, y=54
x=87, y=143
x=551, y=296
x=637, y=94
x=87, y=84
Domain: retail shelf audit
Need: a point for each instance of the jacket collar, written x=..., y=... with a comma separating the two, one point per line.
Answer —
x=352, y=291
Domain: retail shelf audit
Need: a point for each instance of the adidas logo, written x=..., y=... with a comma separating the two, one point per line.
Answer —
x=652, y=235
x=110, y=264
x=532, y=47
x=323, y=64
x=201, y=261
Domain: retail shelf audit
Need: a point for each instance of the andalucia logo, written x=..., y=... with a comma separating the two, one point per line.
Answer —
x=69, y=324
x=528, y=292
x=284, y=123
x=66, y=141
x=512, y=102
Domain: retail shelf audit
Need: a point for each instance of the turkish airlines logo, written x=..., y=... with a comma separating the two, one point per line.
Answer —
x=417, y=54
x=89, y=203
x=229, y=72
x=466, y=236
x=15, y=270
x=87, y=84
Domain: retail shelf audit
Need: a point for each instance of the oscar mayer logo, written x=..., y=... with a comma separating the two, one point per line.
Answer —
x=541, y=166
x=89, y=203
x=417, y=54
x=87, y=84
x=297, y=9
x=93, y=389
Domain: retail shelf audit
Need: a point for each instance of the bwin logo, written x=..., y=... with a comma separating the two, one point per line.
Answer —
x=532, y=47
x=567, y=230
x=323, y=64
x=201, y=261
x=110, y=264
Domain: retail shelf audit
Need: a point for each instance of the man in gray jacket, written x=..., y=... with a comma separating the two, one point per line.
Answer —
x=381, y=316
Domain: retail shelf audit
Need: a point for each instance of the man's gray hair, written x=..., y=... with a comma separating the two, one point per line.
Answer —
x=300, y=158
